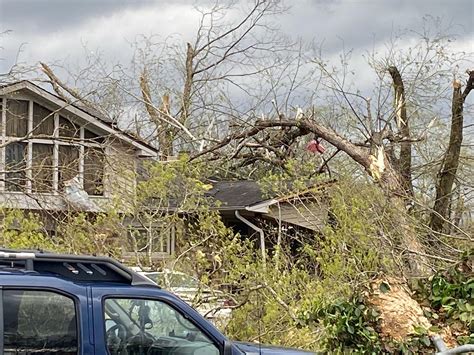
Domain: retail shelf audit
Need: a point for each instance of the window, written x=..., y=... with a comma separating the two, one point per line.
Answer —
x=139, y=327
x=67, y=129
x=17, y=118
x=51, y=150
x=39, y=322
x=42, y=168
x=68, y=163
x=94, y=171
x=92, y=137
x=15, y=165
x=43, y=121
x=155, y=240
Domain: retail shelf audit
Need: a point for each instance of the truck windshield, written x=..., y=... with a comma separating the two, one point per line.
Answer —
x=139, y=326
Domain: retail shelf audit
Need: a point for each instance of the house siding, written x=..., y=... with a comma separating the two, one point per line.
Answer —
x=120, y=173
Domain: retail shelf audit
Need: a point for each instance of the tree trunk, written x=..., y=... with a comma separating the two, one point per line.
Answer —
x=379, y=167
x=448, y=170
x=404, y=162
x=166, y=133
x=188, y=84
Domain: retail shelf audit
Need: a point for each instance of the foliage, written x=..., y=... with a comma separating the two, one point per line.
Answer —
x=349, y=326
x=97, y=234
x=23, y=230
x=309, y=295
x=358, y=243
x=450, y=294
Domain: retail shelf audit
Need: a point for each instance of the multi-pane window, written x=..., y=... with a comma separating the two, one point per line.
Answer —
x=152, y=240
x=42, y=149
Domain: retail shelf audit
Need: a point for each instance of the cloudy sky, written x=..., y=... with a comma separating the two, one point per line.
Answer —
x=58, y=30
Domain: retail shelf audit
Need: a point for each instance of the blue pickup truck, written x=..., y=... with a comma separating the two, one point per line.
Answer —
x=69, y=304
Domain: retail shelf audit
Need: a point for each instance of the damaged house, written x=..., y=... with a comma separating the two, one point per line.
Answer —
x=246, y=209
x=58, y=156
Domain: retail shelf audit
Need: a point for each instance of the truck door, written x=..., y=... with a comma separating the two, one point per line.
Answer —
x=44, y=320
x=139, y=321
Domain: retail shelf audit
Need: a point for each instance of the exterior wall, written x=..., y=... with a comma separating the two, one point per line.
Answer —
x=120, y=162
x=120, y=174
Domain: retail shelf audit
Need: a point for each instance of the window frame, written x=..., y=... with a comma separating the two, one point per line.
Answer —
x=215, y=342
x=56, y=140
x=170, y=239
x=73, y=297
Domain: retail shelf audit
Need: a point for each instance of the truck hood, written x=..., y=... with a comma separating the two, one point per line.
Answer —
x=257, y=349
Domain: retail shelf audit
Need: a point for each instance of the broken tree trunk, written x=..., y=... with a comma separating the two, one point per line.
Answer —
x=447, y=173
x=373, y=160
x=404, y=162
x=165, y=132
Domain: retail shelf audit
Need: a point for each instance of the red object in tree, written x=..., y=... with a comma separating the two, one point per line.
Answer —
x=315, y=147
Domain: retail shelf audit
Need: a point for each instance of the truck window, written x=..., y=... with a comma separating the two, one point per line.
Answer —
x=39, y=322
x=140, y=327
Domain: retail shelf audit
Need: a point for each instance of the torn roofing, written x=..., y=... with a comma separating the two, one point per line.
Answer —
x=88, y=110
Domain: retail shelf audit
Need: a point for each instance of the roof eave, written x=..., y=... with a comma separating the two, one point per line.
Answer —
x=142, y=148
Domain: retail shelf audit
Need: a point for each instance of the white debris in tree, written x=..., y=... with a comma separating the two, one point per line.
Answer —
x=399, y=102
x=77, y=197
x=299, y=113
x=377, y=163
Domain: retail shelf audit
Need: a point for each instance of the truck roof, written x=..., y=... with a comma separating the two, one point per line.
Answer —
x=75, y=268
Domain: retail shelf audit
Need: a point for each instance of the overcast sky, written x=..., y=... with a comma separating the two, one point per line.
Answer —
x=55, y=30
x=58, y=31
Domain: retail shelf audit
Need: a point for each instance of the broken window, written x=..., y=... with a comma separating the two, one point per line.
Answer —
x=67, y=129
x=68, y=163
x=17, y=118
x=42, y=168
x=94, y=171
x=15, y=165
x=43, y=121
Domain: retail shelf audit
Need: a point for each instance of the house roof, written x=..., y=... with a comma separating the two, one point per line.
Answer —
x=235, y=195
x=248, y=195
x=301, y=208
x=88, y=114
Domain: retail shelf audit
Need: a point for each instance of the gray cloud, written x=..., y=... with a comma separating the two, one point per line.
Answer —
x=361, y=23
x=55, y=15
x=54, y=30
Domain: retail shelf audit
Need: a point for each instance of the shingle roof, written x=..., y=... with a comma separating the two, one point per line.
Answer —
x=235, y=194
